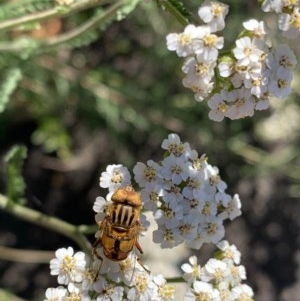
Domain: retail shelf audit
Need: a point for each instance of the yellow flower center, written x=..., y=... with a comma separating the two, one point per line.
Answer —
x=150, y=173
x=68, y=264
x=117, y=177
x=185, y=39
x=210, y=40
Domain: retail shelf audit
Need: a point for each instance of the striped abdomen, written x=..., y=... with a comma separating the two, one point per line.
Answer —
x=124, y=215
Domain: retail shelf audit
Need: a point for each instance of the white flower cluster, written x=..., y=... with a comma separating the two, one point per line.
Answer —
x=238, y=83
x=288, y=15
x=189, y=202
x=219, y=279
x=104, y=280
x=72, y=275
x=200, y=46
x=186, y=195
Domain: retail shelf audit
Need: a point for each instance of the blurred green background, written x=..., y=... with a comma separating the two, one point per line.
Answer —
x=113, y=101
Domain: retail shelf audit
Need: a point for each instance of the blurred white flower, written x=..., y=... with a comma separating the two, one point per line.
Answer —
x=229, y=252
x=242, y=292
x=182, y=43
x=256, y=27
x=218, y=106
x=115, y=177
x=56, y=294
x=213, y=13
x=202, y=291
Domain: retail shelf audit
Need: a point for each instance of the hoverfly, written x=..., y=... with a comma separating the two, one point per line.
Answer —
x=120, y=228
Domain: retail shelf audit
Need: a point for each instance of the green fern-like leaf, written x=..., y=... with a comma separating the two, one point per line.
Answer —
x=52, y=136
x=21, y=8
x=8, y=86
x=15, y=185
x=177, y=9
x=83, y=39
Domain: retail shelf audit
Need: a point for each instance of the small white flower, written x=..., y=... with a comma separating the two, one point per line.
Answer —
x=256, y=27
x=192, y=270
x=150, y=196
x=229, y=252
x=258, y=83
x=213, y=13
x=199, y=239
x=283, y=59
x=198, y=70
x=226, y=67
x=232, y=206
x=170, y=215
x=263, y=102
x=215, y=271
x=68, y=266
x=174, y=145
x=194, y=185
x=247, y=50
x=182, y=42
x=208, y=44
x=242, y=292
x=108, y=291
x=187, y=227
x=172, y=193
x=167, y=238
x=236, y=274
x=55, y=294
x=144, y=288
x=165, y=291
x=174, y=169
x=218, y=106
x=130, y=267
x=203, y=90
x=115, y=177
x=109, y=267
x=76, y=293
x=289, y=23
x=202, y=291
x=241, y=102
x=280, y=85
x=214, y=179
x=144, y=174
x=213, y=229
x=208, y=208
x=100, y=206
x=90, y=275
x=272, y=5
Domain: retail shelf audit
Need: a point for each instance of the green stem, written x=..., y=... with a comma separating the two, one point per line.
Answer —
x=91, y=24
x=46, y=221
x=28, y=256
x=45, y=15
x=172, y=9
x=175, y=280
x=9, y=296
x=87, y=229
x=18, y=46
